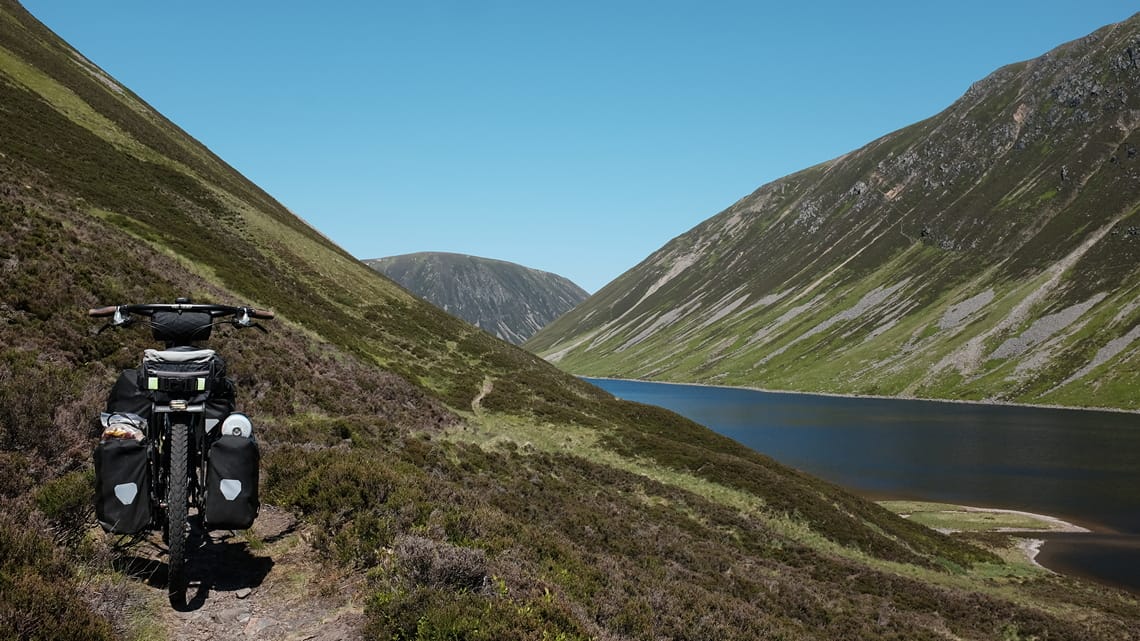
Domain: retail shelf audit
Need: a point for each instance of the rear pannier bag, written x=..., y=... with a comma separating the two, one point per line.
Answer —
x=122, y=502
x=231, y=483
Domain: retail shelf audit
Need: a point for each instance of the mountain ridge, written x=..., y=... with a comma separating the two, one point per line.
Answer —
x=450, y=485
x=507, y=300
x=1014, y=205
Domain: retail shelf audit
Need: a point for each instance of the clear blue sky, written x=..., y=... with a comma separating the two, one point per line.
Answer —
x=574, y=137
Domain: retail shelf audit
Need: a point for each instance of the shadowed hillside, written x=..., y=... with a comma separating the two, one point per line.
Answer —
x=460, y=486
x=506, y=300
x=989, y=252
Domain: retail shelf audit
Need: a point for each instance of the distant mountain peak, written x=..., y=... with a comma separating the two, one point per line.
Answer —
x=505, y=299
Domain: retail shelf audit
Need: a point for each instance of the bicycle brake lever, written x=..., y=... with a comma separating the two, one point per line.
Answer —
x=119, y=320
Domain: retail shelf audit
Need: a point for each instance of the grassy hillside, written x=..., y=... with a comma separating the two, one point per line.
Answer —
x=988, y=252
x=506, y=300
x=474, y=491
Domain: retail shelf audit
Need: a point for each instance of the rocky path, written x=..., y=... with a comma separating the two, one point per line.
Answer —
x=266, y=584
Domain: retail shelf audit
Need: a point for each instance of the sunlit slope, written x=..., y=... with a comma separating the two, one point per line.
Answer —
x=471, y=489
x=85, y=135
x=991, y=251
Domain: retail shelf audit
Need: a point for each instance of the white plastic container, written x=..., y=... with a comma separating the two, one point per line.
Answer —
x=237, y=424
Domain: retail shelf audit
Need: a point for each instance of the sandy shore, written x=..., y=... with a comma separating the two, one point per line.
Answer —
x=1027, y=540
x=1055, y=524
x=1031, y=547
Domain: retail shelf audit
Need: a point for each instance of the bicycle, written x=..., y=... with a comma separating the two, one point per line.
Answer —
x=171, y=440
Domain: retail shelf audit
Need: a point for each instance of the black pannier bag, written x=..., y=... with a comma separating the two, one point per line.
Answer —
x=231, y=483
x=127, y=397
x=122, y=496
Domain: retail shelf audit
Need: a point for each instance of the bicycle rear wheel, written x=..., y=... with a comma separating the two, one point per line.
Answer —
x=177, y=516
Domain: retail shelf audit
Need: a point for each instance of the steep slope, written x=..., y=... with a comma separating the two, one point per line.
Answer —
x=987, y=252
x=506, y=300
x=453, y=485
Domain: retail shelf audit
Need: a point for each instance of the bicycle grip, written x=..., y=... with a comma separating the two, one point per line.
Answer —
x=99, y=312
x=261, y=313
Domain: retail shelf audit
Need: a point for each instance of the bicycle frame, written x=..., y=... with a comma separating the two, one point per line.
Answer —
x=159, y=436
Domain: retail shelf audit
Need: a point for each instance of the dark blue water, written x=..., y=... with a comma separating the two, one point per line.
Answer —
x=1083, y=466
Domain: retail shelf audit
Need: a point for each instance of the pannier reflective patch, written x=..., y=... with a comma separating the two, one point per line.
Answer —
x=126, y=492
x=177, y=384
x=230, y=488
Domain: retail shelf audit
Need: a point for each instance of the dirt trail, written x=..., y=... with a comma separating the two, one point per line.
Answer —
x=266, y=585
x=487, y=388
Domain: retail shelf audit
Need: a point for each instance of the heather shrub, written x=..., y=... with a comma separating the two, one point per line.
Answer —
x=68, y=502
x=442, y=565
x=440, y=614
x=38, y=595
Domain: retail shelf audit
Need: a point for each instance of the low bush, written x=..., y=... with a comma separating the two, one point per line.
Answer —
x=38, y=595
x=68, y=501
x=436, y=564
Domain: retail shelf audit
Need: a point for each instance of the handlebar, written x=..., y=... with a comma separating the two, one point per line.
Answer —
x=241, y=316
x=151, y=309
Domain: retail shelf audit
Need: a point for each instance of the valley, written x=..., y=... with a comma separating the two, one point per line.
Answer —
x=422, y=479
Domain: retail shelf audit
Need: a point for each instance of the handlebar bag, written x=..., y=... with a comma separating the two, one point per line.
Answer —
x=122, y=501
x=231, y=501
x=181, y=372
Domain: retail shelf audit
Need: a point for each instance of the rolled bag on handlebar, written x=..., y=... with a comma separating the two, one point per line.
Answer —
x=181, y=328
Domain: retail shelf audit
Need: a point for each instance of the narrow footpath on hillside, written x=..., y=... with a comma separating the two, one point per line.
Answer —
x=266, y=584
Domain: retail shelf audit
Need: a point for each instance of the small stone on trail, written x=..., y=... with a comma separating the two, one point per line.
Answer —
x=229, y=614
x=244, y=592
x=257, y=624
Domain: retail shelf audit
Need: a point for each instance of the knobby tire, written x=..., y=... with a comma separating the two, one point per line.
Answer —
x=176, y=511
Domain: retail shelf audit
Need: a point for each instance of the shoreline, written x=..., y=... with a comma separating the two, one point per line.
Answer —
x=1056, y=524
x=1051, y=524
x=988, y=402
x=1027, y=540
x=1031, y=548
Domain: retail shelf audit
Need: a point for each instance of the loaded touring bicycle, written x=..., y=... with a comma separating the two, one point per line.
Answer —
x=171, y=440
